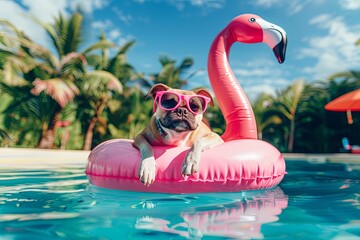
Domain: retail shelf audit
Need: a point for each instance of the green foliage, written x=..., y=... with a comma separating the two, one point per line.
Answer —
x=77, y=99
x=171, y=74
x=213, y=116
x=301, y=108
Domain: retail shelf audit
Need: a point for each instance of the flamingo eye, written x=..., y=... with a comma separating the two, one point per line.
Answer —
x=252, y=19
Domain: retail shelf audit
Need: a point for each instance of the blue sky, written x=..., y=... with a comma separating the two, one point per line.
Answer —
x=321, y=34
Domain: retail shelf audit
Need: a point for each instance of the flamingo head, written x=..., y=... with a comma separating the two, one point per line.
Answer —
x=250, y=28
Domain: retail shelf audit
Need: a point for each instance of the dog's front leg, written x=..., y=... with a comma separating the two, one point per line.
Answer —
x=192, y=159
x=147, y=169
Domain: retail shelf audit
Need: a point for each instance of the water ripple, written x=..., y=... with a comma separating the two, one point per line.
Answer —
x=313, y=200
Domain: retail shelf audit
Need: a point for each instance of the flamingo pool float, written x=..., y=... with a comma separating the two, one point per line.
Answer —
x=242, y=162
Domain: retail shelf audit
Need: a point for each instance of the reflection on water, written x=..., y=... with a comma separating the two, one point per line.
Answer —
x=240, y=217
x=319, y=200
x=230, y=215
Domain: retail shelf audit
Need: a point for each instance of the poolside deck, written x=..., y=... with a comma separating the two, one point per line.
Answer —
x=17, y=156
x=328, y=157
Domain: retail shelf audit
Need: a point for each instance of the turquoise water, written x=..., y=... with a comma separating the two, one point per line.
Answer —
x=314, y=201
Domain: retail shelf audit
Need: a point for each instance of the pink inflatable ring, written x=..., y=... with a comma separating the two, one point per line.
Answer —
x=242, y=162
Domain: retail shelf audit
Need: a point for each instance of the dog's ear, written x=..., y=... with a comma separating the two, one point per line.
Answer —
x=157, y=87
x=206, y=93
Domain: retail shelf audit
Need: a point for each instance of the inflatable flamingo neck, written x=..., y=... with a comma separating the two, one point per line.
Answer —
x=233, y=102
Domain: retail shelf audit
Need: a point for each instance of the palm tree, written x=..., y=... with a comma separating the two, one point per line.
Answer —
x=55, y=78
x=263, y=119
x=171, y=74
x=62, y=70
x=98, y=89
x=117, y=64
x=311, y=119
x=18, y=58
x=285, y=104
x=349, y=80
x=102, y=98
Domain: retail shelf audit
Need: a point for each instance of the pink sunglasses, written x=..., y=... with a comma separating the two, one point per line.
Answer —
x=197, y=104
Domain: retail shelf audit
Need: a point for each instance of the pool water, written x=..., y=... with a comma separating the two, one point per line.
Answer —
x=314, y=201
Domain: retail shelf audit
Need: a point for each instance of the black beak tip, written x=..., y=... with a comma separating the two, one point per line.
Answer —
x=280, y=51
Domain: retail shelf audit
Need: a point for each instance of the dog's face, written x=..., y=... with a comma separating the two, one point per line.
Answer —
x=180, y=119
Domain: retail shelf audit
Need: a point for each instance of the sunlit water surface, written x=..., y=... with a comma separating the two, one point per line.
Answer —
x=314, y=201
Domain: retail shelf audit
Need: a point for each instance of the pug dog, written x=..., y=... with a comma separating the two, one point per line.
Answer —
x=177, y=121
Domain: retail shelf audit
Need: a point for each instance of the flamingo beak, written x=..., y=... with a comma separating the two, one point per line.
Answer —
x=280, y=50
x=275, y=37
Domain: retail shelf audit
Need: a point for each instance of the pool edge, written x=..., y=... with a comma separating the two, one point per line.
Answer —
x=32, y=155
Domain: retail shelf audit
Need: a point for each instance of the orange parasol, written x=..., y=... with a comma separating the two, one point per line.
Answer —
x=346, y=103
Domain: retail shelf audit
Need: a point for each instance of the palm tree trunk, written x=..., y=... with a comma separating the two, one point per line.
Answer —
x=47, y=139
x=89, y=134
x=90, y=130
x=291, y=136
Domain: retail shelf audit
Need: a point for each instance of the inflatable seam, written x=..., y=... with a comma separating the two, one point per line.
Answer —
x=191, y=180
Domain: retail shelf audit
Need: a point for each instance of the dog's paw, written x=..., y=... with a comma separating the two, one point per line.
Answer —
x=191, y=163
x=147, y=171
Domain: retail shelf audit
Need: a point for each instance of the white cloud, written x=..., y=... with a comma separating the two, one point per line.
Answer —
x=322, y=21
x=114, y=34
x=208, y=3
x=87, y=6
x=45, y=10
x=18, y=14
x=254, y=86
x=267, y=3
x=205, y=4
x=293, y=6
x=125, y=18
x=296, y=7
x=254, y=76
x=335, y=51
x=255, y=90
x=256, y=72
x=350, y=4
x=102, y=24
x=260, y=76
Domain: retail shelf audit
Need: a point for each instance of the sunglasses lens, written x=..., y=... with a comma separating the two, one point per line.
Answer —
x=169, y=100
x=197, y=104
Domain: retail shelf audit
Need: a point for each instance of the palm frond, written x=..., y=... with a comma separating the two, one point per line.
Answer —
x=51, y=33
x=17, y=42
x=4, y=136
x=186, y=63
x=7, y=26
x=17, y=92
x=60, y=90
x=74, y=34
x=102, y=80
x=344, y=74
x=95, y=61
x=164, y=60
x=70, y=57
x=102, y=44
x=271, y=120
x=120, y=58
x=126, y=47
